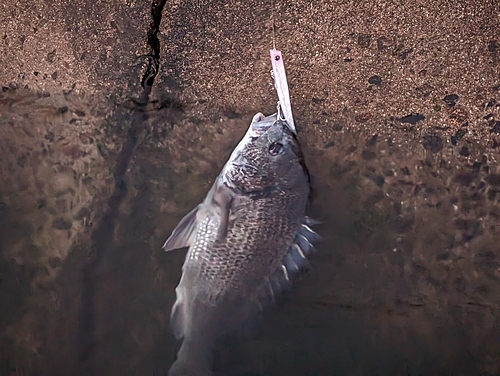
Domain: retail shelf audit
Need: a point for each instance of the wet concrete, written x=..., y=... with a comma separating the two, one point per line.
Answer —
x=109, y=136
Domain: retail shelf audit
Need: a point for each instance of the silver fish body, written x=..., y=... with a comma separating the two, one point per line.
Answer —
x=246, y=241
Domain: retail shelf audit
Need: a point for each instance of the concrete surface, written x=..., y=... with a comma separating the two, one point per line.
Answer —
x=398, y=108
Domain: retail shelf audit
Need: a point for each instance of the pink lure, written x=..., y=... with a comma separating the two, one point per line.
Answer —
x=285, y=108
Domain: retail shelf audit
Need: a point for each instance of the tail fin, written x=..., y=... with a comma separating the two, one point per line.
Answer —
x=194, y=358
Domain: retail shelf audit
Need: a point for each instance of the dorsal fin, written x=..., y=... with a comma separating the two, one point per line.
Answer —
x=217, y=202
x=185, y=233
x=295, y=261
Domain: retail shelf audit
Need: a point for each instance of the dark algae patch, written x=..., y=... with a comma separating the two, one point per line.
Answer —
x=412, y=118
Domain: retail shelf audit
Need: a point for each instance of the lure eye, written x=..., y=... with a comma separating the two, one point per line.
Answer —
x=276, y=148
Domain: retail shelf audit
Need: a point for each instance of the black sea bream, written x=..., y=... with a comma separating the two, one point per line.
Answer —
x=246, y=241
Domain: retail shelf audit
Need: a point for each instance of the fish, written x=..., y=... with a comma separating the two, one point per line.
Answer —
x=247, y=240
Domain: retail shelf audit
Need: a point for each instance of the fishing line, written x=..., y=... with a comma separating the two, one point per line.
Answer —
x=272, y=24
x=278, y=74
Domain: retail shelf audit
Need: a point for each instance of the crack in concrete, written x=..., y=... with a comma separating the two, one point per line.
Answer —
x=154, y=43
x=102, y=236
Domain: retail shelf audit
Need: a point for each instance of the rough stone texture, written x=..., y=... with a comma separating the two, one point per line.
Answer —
x=398, y=109
x=85, y=46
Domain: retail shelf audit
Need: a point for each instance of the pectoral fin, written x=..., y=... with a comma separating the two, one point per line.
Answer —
x=222, y=198
x=185, y=233
x=224, y=220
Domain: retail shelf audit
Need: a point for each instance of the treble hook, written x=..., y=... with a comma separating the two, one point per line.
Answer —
x=280, y=115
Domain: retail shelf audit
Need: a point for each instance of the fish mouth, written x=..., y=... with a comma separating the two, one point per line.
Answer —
x=260, y=124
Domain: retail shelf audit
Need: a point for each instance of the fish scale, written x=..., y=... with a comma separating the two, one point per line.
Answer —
x=226, y=265
x=247, y=240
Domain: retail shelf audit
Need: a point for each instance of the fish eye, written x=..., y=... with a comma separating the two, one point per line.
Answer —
x=276, y=148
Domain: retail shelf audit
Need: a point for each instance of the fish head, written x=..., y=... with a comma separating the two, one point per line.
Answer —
x=267, y=159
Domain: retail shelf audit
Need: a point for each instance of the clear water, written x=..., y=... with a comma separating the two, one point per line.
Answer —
x=405, y=281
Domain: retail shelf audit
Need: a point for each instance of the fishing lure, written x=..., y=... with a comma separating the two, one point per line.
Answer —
x=281, y=85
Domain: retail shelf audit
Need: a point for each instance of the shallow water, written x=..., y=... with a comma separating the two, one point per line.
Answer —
x=405, y=281
x=398, y=110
